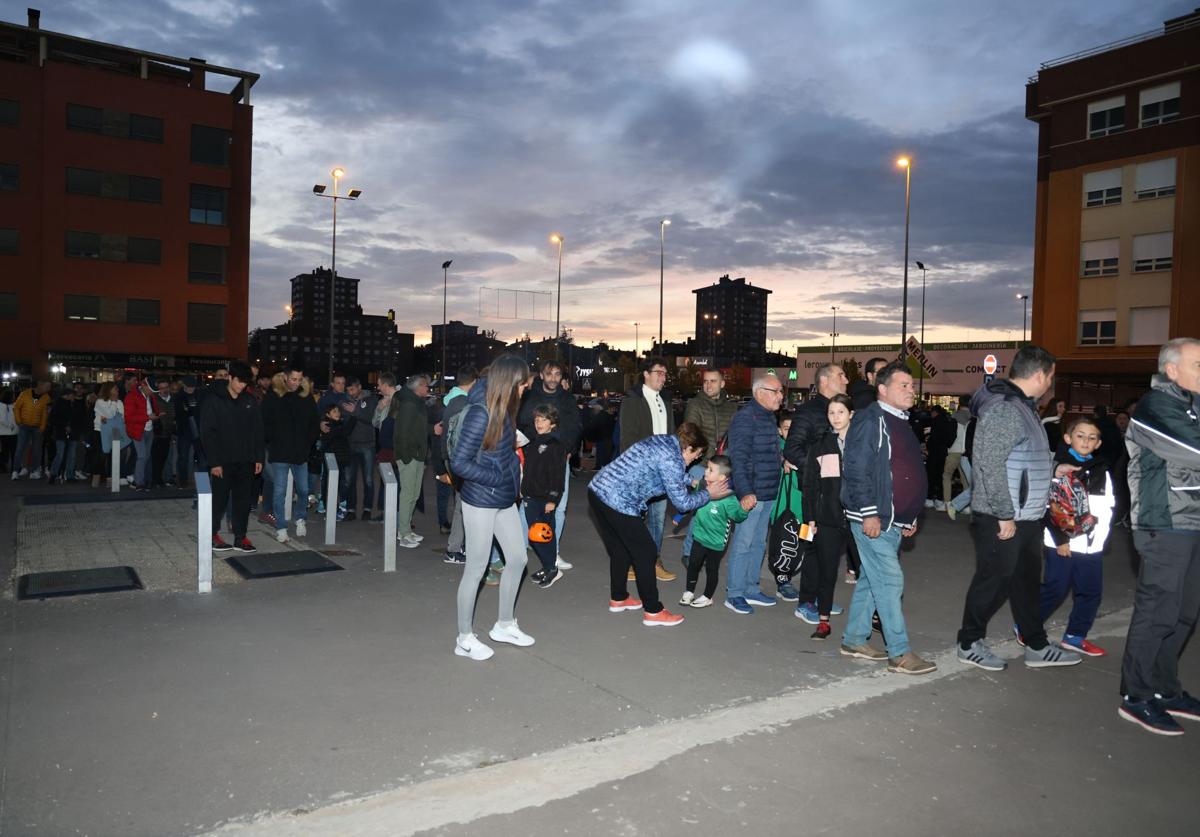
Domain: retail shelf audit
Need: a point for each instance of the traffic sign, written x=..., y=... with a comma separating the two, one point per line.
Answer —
x=990, y=365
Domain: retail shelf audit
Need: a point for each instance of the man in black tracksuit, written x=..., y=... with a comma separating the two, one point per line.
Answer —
x=231, y=429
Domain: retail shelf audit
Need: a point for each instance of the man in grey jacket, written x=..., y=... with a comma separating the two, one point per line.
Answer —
x=1013, y=470
x=359, y=407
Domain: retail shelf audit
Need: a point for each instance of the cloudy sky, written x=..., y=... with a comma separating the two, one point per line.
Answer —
x=765, y=130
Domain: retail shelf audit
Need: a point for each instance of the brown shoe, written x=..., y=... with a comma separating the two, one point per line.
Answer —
x=910, y=663
x=863, y=652
x=662, y=573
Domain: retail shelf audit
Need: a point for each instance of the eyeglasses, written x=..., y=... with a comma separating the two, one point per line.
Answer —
x=769, y=389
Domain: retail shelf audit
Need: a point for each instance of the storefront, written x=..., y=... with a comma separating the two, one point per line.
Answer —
x=104, y=366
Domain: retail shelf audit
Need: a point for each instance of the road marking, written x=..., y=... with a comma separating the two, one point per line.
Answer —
x=535, y=780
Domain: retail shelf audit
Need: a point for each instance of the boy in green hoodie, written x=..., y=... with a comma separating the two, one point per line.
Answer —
x=710, y=535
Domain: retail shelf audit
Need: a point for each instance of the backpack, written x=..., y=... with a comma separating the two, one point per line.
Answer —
x=1069, y=509
x=454, y=431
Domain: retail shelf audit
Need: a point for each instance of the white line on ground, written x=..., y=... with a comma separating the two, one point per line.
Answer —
x=545, y=777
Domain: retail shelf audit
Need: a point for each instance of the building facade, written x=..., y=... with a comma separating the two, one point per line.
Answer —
x=731, y=321
x=464, y=346
x=124, y=206
x=1117, y=258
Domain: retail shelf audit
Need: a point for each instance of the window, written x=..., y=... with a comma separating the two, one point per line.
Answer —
x=1106, y=117
x=1102, y=188
x=206, y=264
x=10, y=112
x=76, y=307
x=210, y=146
x=113, y=248
x=114, y=123
x=144, y=251
x=1156, y=179
x=146, y=189
x=83, y=245
x=205, y=323
x=84, y=181
x=1101, y=258
x=83, y=118
x=141, y=311
x=1097, y=328
x=207, y=205
x=9, y=242
x=1159, y=104
x=1149, y=326
x=9, y=177
x=147, y=128
x=1152, y=252
x=8, y=305
x=106, y=184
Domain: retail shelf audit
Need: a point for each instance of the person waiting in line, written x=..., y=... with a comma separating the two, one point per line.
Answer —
x=710, y=530
x=543, y=482
x=619, y=496
x=231, y=430
x=823, y=509
x=109, y=422
x=335, y=439
x=291, y=426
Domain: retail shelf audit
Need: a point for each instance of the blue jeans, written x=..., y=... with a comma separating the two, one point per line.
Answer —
x=880, y=587
x=747, y=548
x=141, y=448
x=656, y=518
x=28, y=438
x=64, y=449
x=1080, y=575
x=961, y=501
x=279, y=472
x=361, y=458
x=694, y=473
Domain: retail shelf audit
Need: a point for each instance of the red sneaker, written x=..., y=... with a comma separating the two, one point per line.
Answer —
x=1081, y=645
x=822, y=632
x=629, y=603
x=219, y=545
x=663, y=619
x=244, y=545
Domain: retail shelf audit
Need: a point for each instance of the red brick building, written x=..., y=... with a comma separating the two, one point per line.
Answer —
x=124, y=206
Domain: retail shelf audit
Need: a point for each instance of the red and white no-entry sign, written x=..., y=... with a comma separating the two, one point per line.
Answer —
x=990, y=365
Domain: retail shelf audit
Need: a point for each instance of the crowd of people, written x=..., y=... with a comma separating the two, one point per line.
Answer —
x=852, y=471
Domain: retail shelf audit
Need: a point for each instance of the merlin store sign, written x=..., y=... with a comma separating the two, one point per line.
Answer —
x=119, y=360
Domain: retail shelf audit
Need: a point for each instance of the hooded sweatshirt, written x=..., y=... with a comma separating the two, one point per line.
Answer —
x=1011, y=457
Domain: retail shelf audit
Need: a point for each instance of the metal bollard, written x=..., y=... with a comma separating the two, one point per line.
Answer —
x=387, y=470
x=116, y=460
x=203, y=533
x=287, y=502
x=331, y=499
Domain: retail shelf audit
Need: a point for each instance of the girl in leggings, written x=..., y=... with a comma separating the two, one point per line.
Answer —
x=485, y=457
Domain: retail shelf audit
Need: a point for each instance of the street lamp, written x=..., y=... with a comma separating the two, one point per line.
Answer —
x=662, y=262
x=833, y=334
x=445, y=284
x=1024, y=313
x=906, y=164
x=288, y=309
x=557, y=238
x=711, y=325
x=319, y=190
x=921, y=380
x=635, y=340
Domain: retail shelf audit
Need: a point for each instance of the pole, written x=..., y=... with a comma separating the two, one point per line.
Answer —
x=1024, y=316
x=635, y=341
x=921, y=380
x=331, y=499
x=204, y=533
x=904, y=301
x=662, y=263
x=333, y=281
x=833, y=336
x=558, y=302
x=445, y=289
x=387, y=470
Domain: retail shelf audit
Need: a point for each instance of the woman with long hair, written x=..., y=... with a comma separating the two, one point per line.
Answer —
x=108, y=412
x=485, y=458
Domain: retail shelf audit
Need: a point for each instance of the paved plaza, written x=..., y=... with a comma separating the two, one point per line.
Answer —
x=332, y=704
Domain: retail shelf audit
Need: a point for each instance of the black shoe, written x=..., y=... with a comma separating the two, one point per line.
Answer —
x=349, y=516
x=538, y=578
x=548, y=579
x=876, y=625
x=1150, y=717
x=366, y=516
x=444, y=529
x=1183, y=706
x=244, y=545
x=219, y=545
x=455, y=558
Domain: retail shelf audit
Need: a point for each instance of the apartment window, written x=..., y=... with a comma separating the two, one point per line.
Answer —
x=1106, y=117
x=145, y=189
x=1152, y=252
x=114, y=248
x=1149, y=326
x=146, y=128
x=210, y=146
x=1159, y=104
x=10, y=112
x=84, y=181
x=83, y=245
x=1097, y=328
x=1101, y=258
x=206, y=264
x=141, y=312
x=1156, y=179
x=144, y=250
x=114, y=123
x=106, y=184
x=84, y=118
x=1102, y=188
x=77, y=307
x=205, y=323
x=8, y=305
x=10, y=177
x=10, y=242
x=208, y=205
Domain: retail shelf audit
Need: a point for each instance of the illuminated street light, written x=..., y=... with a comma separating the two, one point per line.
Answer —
x=662, y=262
x=319, y=190
x=1024, y=313
x=906, y=164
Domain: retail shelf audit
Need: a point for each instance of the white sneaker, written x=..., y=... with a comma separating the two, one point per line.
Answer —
x=301, y=528
x=929, y=504
x=281, y=535
x=416, y=537
x=939, y=505
x=561, y=564
x=702, y=601
x=951, y=512
x=36, y=475
x=16, y=475
x=512, y=634
x=124, y=481
x=470, y=646
x=687, y=598
x=80, y=475
x=407, y=541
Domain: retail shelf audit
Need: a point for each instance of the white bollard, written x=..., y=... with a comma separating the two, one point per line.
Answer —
x=203, y=533
x=387, y=470
x=116, y=460
x=287, y=502
x=331, y=499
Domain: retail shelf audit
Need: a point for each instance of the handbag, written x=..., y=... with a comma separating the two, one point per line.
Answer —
x=785, y=552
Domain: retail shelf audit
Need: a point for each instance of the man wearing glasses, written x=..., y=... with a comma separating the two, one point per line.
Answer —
x=754, y=451
x=644, y=413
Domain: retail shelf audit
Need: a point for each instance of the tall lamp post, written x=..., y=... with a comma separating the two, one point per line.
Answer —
x=834, y=335
x=288, y=309
x=635, y=340
x=921, y=380
x=445, y=284
x=906, y=164
x=557, y=238
x=319, y=190
x=662, y=264
x=1024, y=313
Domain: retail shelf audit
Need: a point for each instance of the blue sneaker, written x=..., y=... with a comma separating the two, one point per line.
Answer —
x=788, y=593
x=760, y=600
x=836, y=610
x=320, y=507
x=808, y=612
x=738, y=605
x=1181, y=706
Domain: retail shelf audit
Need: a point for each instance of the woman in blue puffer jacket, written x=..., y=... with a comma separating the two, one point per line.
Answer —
x=618, y=496
x=485, y=457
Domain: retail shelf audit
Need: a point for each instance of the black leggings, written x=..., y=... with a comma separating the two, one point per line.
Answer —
x=234, y=487
x=710, y=560
x=831, y=543
x=628, y=543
